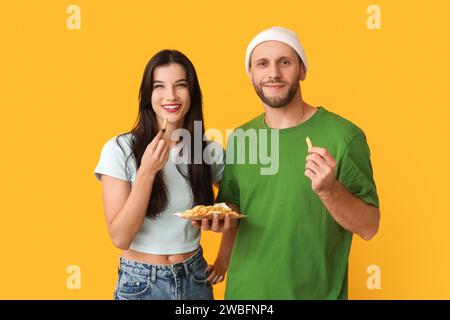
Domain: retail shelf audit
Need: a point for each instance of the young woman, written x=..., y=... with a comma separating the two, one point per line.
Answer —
x=143, y=185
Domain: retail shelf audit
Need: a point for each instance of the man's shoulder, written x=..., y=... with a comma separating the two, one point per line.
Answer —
x=251, y=124
x=339, y=125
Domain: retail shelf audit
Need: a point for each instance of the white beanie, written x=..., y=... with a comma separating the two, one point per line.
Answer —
x=276, y=34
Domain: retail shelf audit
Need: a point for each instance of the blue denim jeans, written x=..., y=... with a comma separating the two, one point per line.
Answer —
x=181, y=281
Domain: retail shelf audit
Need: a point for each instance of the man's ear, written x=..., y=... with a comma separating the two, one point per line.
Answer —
x=250, y=76
x=302, y=73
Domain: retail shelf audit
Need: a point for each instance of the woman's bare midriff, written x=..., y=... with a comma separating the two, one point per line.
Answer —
x=156, y=258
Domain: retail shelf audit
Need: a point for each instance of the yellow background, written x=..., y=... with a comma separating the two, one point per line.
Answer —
x=64, y=93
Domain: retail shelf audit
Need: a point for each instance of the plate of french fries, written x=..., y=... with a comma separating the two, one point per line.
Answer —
x=201, y=212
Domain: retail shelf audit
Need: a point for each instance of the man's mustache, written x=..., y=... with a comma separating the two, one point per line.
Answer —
x=273, y=81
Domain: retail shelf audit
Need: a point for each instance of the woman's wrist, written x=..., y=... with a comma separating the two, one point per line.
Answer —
x=146, y=171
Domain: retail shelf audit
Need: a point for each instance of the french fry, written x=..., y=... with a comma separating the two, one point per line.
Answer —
x=164, y=126
x=308, y=142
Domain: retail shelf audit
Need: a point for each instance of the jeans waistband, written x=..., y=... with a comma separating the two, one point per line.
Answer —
x=150, y=269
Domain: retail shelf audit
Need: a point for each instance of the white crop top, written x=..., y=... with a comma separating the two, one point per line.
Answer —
x=167, y=234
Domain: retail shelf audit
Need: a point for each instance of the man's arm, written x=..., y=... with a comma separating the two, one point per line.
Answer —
x=220, y=267
x=352, y=213
x=228, y=228
x=349, y=211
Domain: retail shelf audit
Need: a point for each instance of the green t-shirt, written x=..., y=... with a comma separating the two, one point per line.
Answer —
x=289, y=246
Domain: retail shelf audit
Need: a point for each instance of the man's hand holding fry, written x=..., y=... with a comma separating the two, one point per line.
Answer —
x=320, y=169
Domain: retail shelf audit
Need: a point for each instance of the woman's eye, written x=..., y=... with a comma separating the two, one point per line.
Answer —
x=182, y=85
x=157, y=86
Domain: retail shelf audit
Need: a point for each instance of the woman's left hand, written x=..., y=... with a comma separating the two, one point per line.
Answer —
x=216, y=273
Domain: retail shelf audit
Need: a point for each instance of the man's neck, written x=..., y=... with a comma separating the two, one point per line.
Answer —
x=295, y=113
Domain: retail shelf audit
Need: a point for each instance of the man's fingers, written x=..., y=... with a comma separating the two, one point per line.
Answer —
x=196, y=223
x=310, y=174
x=311, y=165
x=226, y=224
x=205, y=224
x=317, y=159
x=323, y=153
x=215, y=223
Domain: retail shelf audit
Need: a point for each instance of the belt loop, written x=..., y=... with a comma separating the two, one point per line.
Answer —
x=186, y=269
x=153, y=273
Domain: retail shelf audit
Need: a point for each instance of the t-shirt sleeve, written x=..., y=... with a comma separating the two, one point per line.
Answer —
x=229, y=186
x=112, y=161
x=356, y=172
x=216, y=158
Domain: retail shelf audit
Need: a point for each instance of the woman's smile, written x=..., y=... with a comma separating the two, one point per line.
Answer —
x=171, y=108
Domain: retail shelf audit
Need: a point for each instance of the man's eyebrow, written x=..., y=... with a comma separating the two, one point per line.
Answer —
x=260, y=60
x=285, y=57
x=280, y=58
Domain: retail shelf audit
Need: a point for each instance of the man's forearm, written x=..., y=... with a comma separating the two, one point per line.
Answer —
x=352, y=213
x=226, y=244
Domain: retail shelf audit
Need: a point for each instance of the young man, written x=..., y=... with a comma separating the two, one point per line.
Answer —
x=296, y=238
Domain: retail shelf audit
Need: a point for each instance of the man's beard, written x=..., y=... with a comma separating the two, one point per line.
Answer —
x=277, y=102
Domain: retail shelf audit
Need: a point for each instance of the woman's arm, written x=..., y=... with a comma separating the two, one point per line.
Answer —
x=126, y=207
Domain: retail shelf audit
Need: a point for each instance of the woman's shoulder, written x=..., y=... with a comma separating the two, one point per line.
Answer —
x=120, y=143
x=114, y=158
x=123, y=139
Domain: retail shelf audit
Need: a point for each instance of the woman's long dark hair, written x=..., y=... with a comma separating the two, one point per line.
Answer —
x=145, y=129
